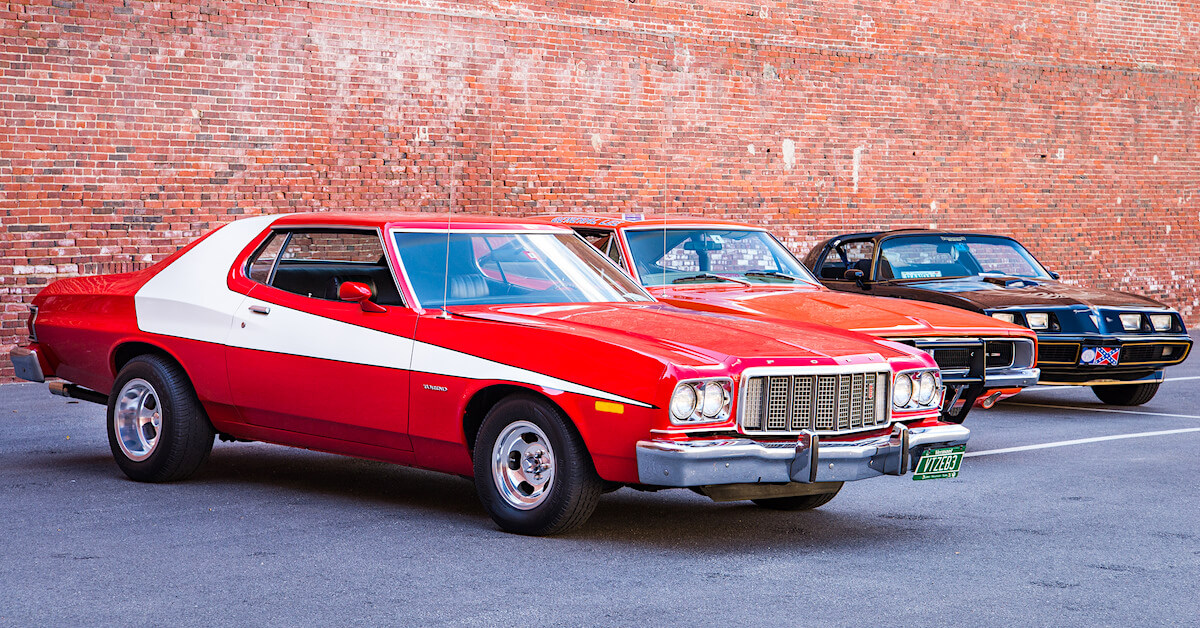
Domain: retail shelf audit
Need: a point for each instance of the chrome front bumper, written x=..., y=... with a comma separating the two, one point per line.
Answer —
x=1011, y=377
x=808, y=459
x=26, y=365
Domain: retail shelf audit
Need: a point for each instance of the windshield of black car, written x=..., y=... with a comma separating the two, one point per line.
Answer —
x=705, y=255
x=488, y=267
x=938, y=256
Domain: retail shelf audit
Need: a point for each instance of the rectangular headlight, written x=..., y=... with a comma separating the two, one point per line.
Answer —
x=1038, y=320
x=1004, y=316
x=1131, y=321
x=1162, y=322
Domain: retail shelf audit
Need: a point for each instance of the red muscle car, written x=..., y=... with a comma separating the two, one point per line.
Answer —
x=737, y=269
x=505, y=350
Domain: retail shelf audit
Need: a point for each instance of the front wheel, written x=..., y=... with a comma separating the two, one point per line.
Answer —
x=157, y=430
x=1126, y=394
x=532, y=471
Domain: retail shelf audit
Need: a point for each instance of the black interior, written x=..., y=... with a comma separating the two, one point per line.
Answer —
x=321, y=280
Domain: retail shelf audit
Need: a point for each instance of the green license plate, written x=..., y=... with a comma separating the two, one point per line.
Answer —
x=939, y=463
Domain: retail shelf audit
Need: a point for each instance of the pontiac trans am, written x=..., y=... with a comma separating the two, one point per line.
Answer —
x=1117, y=343
x=507, y=351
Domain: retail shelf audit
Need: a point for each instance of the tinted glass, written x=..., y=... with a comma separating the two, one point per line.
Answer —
x=263, y=263
x=316, y=263
x=853, y=255
x=510, y=268
x=688, y=255
x=936, y=256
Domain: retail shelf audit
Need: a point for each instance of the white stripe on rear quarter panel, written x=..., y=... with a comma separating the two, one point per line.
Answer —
x=191, y=299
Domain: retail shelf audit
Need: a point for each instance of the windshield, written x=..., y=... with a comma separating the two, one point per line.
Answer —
x=711, y=255
x=510, y=268
x=935, y=256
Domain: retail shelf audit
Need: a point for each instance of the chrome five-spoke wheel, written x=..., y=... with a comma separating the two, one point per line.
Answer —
x=157, y=429
x=532, y=471
x=523, y=465
x=137, y=419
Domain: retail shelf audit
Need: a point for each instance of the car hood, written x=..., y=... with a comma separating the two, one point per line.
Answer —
x=879, y=316
x=679, y=335
x=997, y=292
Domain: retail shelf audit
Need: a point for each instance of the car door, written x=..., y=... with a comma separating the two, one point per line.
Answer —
x=304, y=361
x=843, y=257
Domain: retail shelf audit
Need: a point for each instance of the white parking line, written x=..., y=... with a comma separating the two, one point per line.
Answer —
x=1169, y=379
x=1113, y=410
x=1078, y=441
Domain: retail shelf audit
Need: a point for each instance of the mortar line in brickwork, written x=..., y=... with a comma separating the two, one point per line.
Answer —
x=767, y=42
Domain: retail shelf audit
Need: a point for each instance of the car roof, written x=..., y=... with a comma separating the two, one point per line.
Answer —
x=623, y=221
x=879, y=235
x=411, y=220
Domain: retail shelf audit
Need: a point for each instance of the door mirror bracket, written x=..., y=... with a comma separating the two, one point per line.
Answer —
x=856, y=276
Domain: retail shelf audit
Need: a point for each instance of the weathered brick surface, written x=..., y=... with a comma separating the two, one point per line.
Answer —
x=128, y=127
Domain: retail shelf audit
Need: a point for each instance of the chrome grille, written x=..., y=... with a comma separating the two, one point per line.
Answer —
x=752, y=414
x=782, y=404
x=777, y=403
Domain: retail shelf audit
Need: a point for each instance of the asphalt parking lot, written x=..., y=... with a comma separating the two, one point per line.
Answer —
x=1102, y=532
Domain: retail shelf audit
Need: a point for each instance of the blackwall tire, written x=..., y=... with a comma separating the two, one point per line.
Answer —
x=157, y=430
x=800, y=502
x=1126, y=394
x=532, y=472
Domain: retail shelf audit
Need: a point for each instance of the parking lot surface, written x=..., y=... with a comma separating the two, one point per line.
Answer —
x=1037, y=530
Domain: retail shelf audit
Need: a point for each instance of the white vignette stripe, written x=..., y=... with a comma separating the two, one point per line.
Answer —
x=1079, y=441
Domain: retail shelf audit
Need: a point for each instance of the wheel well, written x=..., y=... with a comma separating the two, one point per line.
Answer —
x=484, y=399
x=131, y=350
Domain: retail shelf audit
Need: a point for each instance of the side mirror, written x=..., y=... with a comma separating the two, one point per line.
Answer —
x=855, y=275
x=359, y=293
x=1053, y=275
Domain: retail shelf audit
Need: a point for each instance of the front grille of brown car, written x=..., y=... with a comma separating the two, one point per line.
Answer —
x=1151, y=353
x=787, y=404
x=1058, y=353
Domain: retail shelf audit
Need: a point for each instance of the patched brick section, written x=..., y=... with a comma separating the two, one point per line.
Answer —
x=127, y=128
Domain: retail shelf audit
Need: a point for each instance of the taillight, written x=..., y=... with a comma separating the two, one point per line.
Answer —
x=29, y=323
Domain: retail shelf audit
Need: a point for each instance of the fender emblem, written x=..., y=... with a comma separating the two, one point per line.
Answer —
x=437, y=388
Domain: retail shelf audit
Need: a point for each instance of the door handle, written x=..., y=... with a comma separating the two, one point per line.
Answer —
x=260, y=309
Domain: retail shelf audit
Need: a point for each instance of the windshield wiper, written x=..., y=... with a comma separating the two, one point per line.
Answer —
x=772, y=274
x=704, y=276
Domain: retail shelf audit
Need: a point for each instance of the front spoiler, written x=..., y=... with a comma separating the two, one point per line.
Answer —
x=1157, y=377
x=742, y=460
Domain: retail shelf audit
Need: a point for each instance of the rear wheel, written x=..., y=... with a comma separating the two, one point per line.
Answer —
x=799, y=502
x=157, y=430
x=532, y=472
x=1126, y=394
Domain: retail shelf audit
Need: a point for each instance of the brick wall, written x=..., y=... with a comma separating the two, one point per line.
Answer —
x=128, y=127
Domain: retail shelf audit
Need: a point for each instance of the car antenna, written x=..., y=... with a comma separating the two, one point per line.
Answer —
x=446, y=270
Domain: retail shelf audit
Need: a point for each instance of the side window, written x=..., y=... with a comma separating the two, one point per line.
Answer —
x=857, y=255
x=614, y=251
x=263, y=263
x=606, y=241
x=316, y=263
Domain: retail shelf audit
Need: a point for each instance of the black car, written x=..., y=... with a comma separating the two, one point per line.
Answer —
x=1116, y=343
